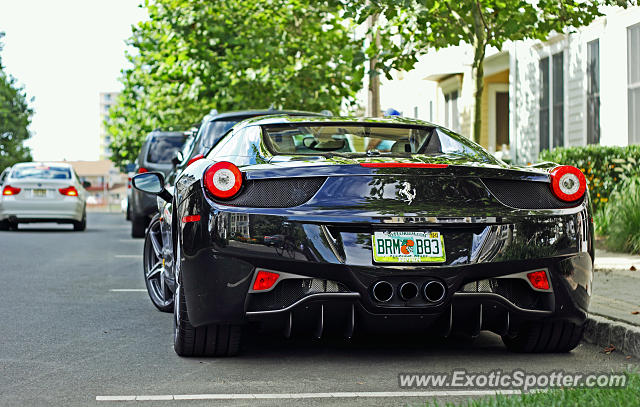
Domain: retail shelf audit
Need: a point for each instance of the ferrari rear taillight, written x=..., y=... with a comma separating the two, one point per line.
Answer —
x=223, y=179
x=9, y=190
x=265, y=280
x=538, y=279
x=69, y=191
x=568, y=183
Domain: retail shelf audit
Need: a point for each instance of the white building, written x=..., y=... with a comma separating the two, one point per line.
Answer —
x=572, y=90
x=106, y=100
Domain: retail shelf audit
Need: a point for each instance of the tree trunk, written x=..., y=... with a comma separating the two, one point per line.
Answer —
x=478, y=68
x=374, y=76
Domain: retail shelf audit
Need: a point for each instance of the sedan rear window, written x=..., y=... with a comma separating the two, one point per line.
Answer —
x=162, y=149
x=354, y=140
x=41, y=172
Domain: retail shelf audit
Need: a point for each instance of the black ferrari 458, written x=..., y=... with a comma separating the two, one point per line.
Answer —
x=344, y=225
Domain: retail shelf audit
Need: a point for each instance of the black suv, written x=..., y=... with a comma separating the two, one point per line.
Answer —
x=156, y=154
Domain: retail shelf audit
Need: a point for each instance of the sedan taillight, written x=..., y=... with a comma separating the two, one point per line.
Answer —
x=568, y=183
x=9, y=190
x=223, y=179
x=69, y=191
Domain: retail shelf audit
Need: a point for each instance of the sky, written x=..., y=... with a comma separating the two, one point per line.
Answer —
x=64, y=53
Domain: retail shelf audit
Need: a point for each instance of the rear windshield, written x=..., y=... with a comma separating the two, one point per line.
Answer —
x=41, y=172
x=162, y=148
x=364, y=140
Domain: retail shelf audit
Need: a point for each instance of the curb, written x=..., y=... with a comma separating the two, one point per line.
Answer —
x=604, y=332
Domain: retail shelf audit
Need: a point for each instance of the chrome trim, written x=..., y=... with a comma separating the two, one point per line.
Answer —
x=373, y=291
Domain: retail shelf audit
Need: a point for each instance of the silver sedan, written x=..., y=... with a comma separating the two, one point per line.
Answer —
x=41, y=192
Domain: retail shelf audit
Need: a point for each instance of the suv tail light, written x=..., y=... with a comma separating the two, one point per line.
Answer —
x=69, y=191
x=9, y=190
x=568, y=183
x=223, y=179
x=142, y=170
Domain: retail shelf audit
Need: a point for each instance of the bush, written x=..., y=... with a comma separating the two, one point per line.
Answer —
x=604, y=166
x=622, y=216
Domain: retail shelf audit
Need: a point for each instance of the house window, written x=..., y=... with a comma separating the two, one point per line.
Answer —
x=544, y=103
x=593, y=92
x=451, y=116
x=633, y=80
x=551, y=101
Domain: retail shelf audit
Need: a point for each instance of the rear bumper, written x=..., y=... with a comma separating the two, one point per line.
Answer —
x=66, y=209
x=223, y=251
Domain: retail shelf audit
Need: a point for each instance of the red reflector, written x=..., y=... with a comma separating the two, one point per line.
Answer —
x=142, y=170
x=69, y=191
x=403, y=165
x=195, y=158
x=9, y=190
x=265, y=280
x=191, y=218
x=539, y=279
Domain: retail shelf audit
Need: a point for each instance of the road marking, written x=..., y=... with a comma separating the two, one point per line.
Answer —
x=128, y=256
x=127, y=290
x=263, y=396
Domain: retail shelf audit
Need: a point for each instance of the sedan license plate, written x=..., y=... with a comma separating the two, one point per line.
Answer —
x=39, y=193
x=408, y=247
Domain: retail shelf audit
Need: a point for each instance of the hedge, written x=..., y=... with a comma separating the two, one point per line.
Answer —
x=604, y=167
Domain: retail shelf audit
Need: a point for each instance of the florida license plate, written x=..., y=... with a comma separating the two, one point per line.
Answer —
x=39, y=193
x=408, y=247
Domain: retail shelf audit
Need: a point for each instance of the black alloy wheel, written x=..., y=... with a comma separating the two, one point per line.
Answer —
x=155, y=272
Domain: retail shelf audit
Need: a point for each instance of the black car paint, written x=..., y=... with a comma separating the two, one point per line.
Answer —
x=218, y=269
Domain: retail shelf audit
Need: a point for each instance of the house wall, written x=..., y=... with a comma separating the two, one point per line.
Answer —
x=501, y=77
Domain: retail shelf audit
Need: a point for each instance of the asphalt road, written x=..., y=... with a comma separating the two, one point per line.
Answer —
x=66, y=338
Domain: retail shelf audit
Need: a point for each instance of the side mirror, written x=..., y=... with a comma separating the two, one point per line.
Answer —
x=177, y=158
x=86, y=184
x=151, y=183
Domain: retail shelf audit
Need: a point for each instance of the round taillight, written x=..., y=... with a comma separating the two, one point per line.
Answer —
x=568, y=183
x=223, y=179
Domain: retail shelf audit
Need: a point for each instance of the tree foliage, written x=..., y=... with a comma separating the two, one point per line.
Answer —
x=196, y=55
x=413, y=27
x=15, y=117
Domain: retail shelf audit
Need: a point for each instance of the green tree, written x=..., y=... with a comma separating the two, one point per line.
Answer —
x=196, y=55
x=15, y=117
x=414, y=27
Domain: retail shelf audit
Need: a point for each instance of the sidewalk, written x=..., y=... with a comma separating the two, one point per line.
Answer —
x=615, y=303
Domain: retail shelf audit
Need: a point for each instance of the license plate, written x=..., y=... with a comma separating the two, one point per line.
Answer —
x=408, y=247
x=39, y=193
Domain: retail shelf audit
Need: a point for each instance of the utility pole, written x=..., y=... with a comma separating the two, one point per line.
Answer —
x=374, y=77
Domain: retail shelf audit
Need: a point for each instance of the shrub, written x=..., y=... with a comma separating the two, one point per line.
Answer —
x=623, y=217
x=604, y=166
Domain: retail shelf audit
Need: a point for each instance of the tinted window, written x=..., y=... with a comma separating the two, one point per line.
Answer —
x=41, y=172
x=211, y=134
x=162, y=149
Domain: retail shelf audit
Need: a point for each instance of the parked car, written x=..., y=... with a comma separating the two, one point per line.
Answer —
x=432, y=234
x=210, y=130
x=155, y=154
x=42, y=192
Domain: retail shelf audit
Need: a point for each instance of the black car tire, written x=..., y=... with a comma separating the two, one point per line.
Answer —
x=128, y=215
x=138, y=226
x=545, y=337
x=209, y=340
x=4, y=224
x=153, y=268
x=82, y=224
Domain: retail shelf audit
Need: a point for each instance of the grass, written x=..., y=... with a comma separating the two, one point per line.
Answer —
x=578, y=397
x=622, y=215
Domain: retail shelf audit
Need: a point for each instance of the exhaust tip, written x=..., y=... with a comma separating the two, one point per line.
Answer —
x=434, y=291
x=382, y=291
x=408, y=291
